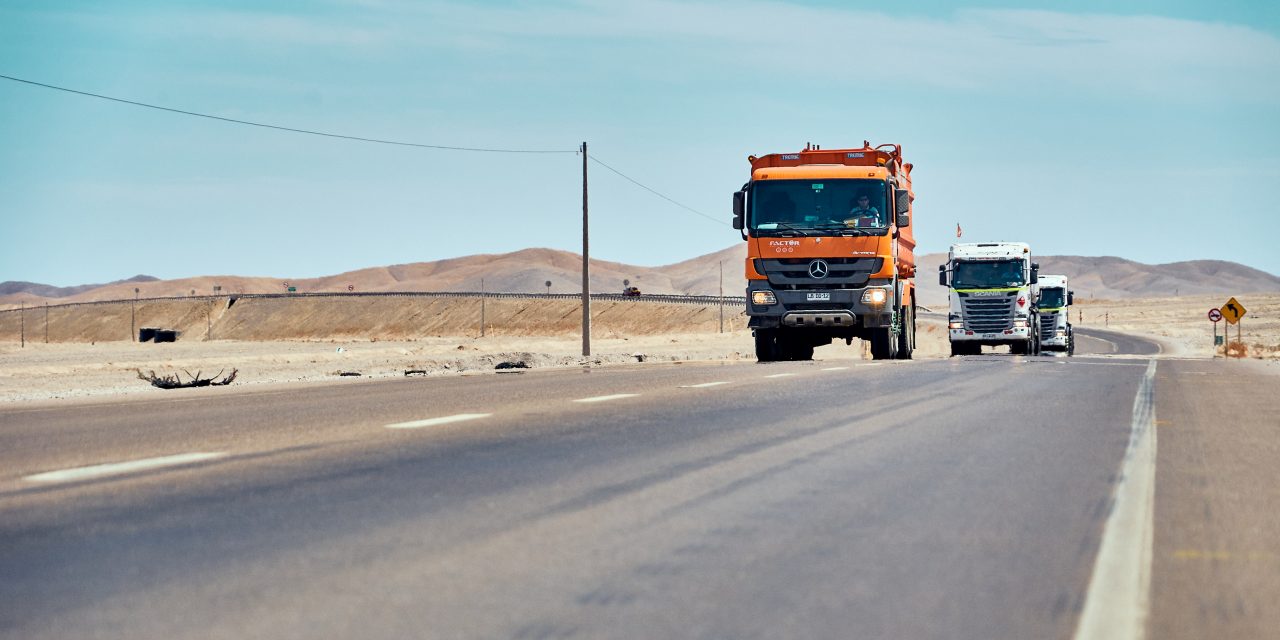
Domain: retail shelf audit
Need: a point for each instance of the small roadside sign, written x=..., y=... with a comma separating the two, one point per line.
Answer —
x=1233, y=311
x=1215, y=315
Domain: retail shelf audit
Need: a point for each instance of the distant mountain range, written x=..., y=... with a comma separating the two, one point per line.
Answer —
x=528, y=271
x=47, y=291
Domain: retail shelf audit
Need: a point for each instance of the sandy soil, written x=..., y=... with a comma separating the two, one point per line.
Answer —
x=1182, y=323
x=57, y=371
x=534, y=336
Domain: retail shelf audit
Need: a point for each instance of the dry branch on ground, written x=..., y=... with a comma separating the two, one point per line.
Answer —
x=174, y=381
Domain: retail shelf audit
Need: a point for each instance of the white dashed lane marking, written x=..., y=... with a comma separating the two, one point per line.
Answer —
x=702, y=386
x=431, y=422
x=616, y=396
x=835, y=369
x=120, y=468
x=781, y=375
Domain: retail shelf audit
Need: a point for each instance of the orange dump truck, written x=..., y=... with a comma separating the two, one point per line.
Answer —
x=830, y=251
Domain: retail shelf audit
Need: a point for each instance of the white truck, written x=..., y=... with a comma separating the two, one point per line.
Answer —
x=991, y=291
x=1055, y=316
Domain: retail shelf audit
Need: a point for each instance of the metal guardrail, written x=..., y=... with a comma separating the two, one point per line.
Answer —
x=669, y=299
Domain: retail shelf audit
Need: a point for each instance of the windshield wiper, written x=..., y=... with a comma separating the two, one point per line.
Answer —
x=783, y=225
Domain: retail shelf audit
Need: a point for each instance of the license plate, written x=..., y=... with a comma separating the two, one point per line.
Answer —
x=817, y=296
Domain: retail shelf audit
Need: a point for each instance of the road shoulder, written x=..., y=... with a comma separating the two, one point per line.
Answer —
x=1217, y=533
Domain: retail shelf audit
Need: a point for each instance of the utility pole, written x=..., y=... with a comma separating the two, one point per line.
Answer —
x=133, y=315
x=481, y=307
x=22, y=323
x=586, y=263
x=722, y=296
x=46, y=322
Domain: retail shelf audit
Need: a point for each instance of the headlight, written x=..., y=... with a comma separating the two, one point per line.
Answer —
x=956, y=325
x=1020, y=324
x=874, y=297
x=1061, y=333
x=763, y=298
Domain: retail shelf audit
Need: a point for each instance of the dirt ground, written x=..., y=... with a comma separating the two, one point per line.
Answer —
x=1182, y=323
x=313, y=342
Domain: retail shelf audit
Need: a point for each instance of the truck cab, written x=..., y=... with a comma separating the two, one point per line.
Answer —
x=1053, y=303
x=991, y=292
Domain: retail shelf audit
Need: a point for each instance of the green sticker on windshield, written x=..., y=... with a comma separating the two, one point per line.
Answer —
x=817, y=186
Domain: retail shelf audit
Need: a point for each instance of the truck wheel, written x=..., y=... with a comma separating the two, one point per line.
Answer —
x=907, y=335
x=1071, y=345
x=793, y=346
x=884, y=345
x=767, y=347
x=800, y=352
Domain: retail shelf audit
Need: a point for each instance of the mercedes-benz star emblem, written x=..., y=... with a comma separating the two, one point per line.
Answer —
x=818, y=269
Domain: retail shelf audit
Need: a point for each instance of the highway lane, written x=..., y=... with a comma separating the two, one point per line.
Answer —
x=913, y=499
x=1101, y=341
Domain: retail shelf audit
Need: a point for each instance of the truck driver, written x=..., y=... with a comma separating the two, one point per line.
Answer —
x=863, y=214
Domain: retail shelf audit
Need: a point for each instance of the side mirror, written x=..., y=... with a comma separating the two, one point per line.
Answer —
x=739, y=208
x=902, y=206
x=1035, y=272
x=1071, y=298
x=942, y=274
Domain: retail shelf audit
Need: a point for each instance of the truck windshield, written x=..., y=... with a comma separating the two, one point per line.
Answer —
x=987, y=274
x=786, y=207
x=1053, y=298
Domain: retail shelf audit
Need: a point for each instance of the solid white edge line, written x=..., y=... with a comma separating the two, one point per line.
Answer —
x=616, y=396
x=704, y=385
x=118, y=468
x=781, y=375
x=431, y=422
x=1118, y=599
x=836, y=369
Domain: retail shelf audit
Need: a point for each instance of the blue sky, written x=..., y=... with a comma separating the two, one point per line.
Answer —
x=1148, y=130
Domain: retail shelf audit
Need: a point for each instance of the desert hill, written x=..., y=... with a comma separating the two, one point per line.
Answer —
x=528, y=271
x=1112, y=278
x=36, y=290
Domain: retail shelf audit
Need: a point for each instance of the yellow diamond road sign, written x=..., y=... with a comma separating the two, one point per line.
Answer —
x=1232, y=311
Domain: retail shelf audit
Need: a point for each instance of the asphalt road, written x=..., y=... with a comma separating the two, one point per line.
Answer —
x=958, y=498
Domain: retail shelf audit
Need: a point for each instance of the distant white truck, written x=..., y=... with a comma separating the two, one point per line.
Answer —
x=1053, y=304
x=991, y=292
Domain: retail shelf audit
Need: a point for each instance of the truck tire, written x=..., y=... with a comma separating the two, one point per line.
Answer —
x=801, y=352
x=767, y=347
x=1071, y=344
x=884, y=345
x=794, y=346
x=907, y=334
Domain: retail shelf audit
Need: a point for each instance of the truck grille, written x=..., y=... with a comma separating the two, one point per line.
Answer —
x=988, y=314
x=1047, y=326
x=844, y=273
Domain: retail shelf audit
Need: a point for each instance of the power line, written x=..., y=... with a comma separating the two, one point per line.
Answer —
x=280, y=128
x=358, y=138
x=638, y=184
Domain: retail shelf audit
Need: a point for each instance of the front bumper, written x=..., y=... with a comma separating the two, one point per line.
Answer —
x=1007, y=336
x=818, y=308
